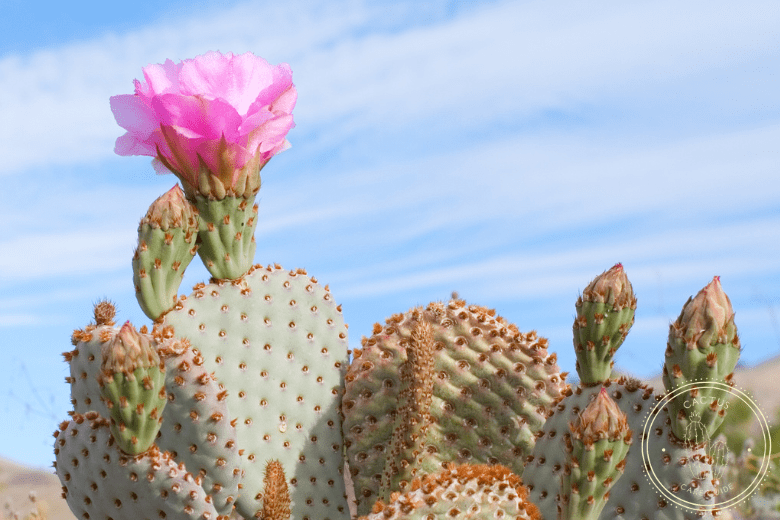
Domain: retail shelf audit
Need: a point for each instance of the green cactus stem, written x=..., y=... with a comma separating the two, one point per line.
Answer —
x=166, y=246
x=597, y=448
x=605, y=313
x=132, y=383
x=227, y=228
x=701, y=354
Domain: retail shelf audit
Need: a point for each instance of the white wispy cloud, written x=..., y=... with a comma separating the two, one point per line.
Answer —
x=510, y=59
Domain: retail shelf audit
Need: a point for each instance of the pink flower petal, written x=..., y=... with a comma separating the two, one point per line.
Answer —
x=195, y=116
x=238, y=80
x=161, y=79
x=132, y=114
x=286, y=101
x=270, y=135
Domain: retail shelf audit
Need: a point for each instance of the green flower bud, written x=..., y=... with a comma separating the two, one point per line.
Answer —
x=132, y=383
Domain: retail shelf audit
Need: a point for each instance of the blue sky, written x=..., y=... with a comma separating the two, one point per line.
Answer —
x=507, y=150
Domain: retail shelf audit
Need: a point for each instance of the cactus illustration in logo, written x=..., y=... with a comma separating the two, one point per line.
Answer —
x=695, y=435
x=718, y=453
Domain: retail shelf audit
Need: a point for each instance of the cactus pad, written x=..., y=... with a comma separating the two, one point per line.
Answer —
x=277, y=341
x=100, y=481
x=493, y=390
x=465, y=492
x=196, y=429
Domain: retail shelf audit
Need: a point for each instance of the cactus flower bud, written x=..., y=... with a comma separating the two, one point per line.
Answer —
x=612, y=287
x=132, y=384
x=166, y=246
x=706, y=319
x=172, y=210
x=703, y=346
x=601, y=419
x=128, y=351
x=595, y=458
x=605, y=313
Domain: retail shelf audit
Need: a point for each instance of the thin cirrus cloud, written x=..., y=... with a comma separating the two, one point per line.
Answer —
x=507, y=150
x=505, y=60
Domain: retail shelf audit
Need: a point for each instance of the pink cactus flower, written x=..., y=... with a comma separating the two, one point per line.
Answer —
x=217, y=112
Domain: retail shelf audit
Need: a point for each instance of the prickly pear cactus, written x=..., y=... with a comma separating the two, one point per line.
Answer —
x=252, y=363
x=277, y=342
x=492, y=391
x=464, y=492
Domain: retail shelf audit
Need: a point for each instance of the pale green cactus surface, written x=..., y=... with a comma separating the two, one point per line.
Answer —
x=493, y=389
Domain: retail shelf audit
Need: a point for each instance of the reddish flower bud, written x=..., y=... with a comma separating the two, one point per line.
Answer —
x=128, y=351
x=706, y=319
x=601, y=419
x=172, y=210
x=611, y=287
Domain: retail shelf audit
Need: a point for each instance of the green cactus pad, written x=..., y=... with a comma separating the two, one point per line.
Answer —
x=465, y=492
x=493, y=390
x=633, y=495
x=701, y=371
x=166, y=246
x=196, y=429
x=132, y=384
x=99, y=481
x=227, y=229
x=277, y=342
x=701, y=354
